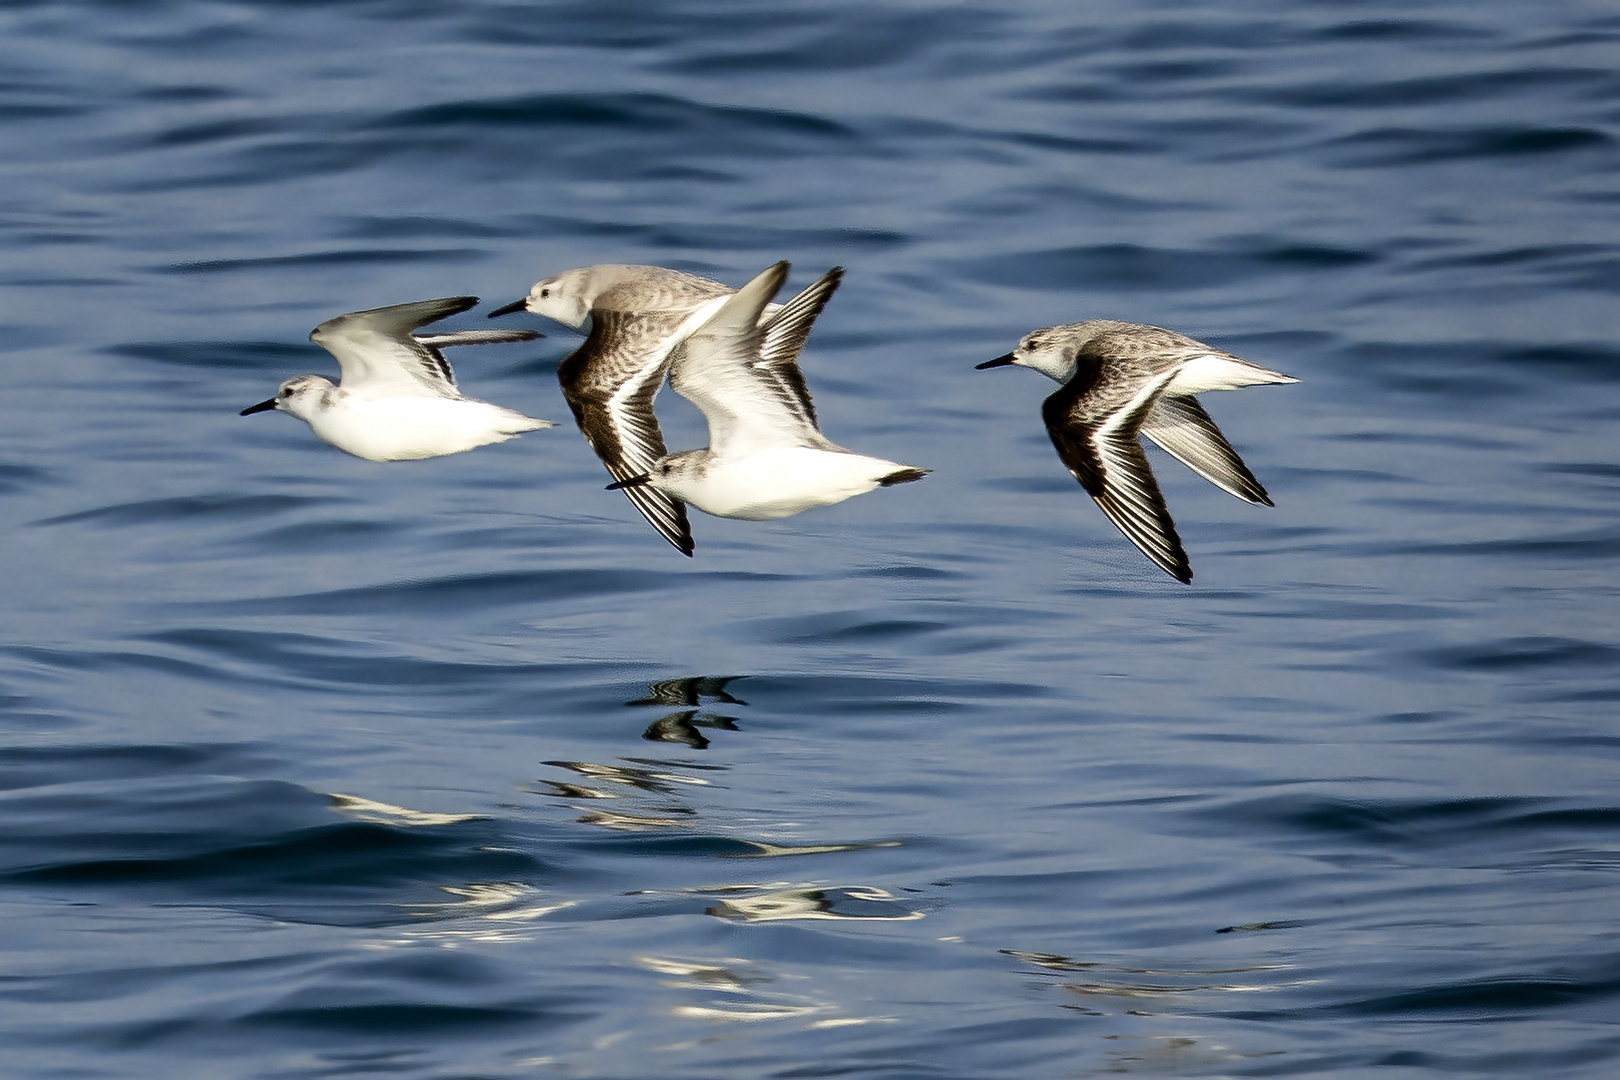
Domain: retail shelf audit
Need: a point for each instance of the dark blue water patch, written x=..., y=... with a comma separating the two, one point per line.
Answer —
x=1398, y=146
x=1191, y=30
x=1131, y=267
x=1467, y=374
x=1490, y=998
x=1597, y=470
x=662, y=115
x=1564, y=266
x=322, y=537
x=17, y=110
x=15, y=478
x=458, y=592
x=909, y=572
x=204, y=132
x=1453, y=830
x=259, y=846
x=843, y=693
x=711, y=236
x=1568, y=361
x=416, y=227
x=1527, y=654
x=228, y=355
x=371, y=256
x=285, y=659
x=1584, y=546
x=186, y=92
x=46, y=766
x=187, y=507
x=623, y=30
x=861, y=38
x=1469, y=86
x=1390, y=30
x=369, y=1018
x=850, y=627
x=1072, y=144
x=269, y=165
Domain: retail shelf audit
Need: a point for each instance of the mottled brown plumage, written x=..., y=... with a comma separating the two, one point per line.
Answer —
x=1122, y=380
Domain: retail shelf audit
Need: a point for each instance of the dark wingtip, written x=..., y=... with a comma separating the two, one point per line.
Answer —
x=516, y=305
x=904, y=476
x=262, y=406
x=1000, y=361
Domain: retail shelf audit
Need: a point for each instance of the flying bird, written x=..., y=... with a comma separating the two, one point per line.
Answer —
x=397, y=397
x=1121, y=380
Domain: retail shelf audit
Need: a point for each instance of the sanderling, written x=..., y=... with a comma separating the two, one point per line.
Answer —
x=640, y=317
x=766, y=457
x=1124, y=379
x=397, y=399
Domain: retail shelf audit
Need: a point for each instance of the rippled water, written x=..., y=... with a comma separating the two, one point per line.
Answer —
x=314, y=767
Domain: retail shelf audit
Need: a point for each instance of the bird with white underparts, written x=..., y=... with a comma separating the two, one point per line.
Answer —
x=1122, y=380
x=396, y=398
x=766, y=457
x=641, y=319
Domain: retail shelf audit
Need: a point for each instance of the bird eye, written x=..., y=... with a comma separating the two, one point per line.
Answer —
x=544, y=293
x=287, y=392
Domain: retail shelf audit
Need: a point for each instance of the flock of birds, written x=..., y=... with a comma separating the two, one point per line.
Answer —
x=734, y=354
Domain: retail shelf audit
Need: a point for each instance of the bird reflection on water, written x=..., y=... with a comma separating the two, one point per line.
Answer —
x=682, y=727
x=690, y=691
x=857, y=902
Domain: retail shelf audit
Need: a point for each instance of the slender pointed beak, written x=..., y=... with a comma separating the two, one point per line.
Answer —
x=516, y=305
x=263, y=406
x=1000, y=361
x=634, y=481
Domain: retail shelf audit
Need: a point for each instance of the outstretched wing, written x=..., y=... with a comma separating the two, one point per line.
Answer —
x=1096, y=436
x=1184, y=430
x=610, y=382
x=750, y=404
x=380, y=357
x=785, y=332
x=476, y=337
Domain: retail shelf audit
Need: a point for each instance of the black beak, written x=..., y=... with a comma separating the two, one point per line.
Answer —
x=1000, y=361
x=634, y=481
x=263, y=406
x=516, y=305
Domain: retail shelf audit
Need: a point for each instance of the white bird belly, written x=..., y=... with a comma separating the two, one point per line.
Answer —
x=407, y=428
x=783, y=482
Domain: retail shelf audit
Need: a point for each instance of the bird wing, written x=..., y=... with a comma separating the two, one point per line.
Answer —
x=476, y=337
x=1184, y=430
x=1095, y=429
x=610, y=382
x=724, y=370
x=785, y=332
x=380, y=357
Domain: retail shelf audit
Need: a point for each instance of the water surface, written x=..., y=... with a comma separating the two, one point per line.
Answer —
x=314, y=767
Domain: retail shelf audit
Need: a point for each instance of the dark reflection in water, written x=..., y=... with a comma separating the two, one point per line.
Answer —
x=690, y=691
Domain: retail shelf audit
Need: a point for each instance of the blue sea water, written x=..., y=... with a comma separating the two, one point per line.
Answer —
x=315, y=767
